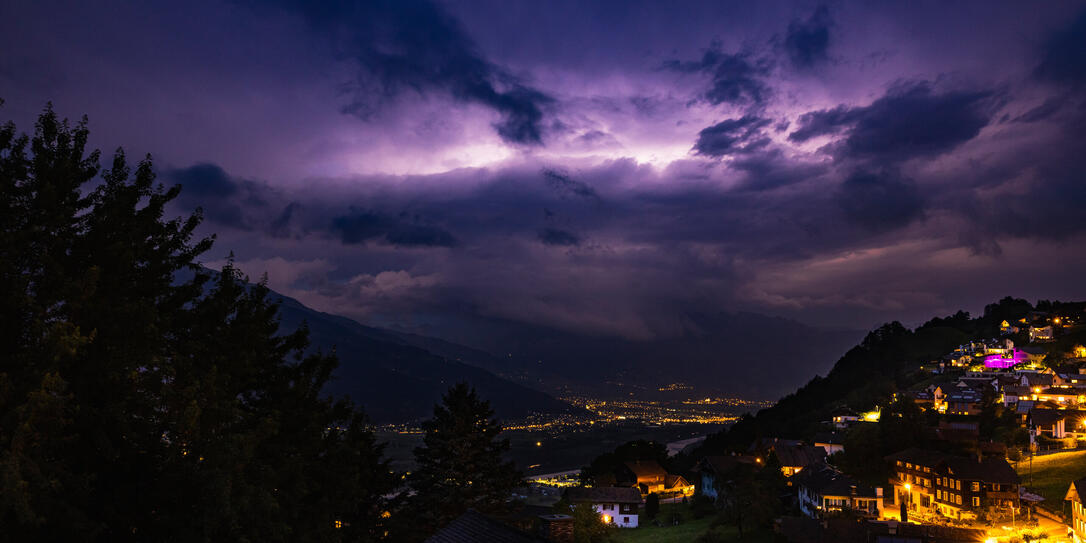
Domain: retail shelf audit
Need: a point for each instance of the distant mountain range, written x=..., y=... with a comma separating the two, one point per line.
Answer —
x=396, y=381
x=398, y=376
x=745, y=354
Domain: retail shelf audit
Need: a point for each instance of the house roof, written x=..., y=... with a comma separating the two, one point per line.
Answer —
x=1045, y=417
x=673, y=481
x=799, y=455
x=1038, y=379
x=827, y=481
x=473, y=526
x=989, y=470
x=646, y=469
x=1077, y=491
x=915, y=455
x=604, y=494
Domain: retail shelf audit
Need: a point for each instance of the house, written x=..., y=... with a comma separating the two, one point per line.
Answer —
x=1056, y=423
x=825, y=490
x=793, y=458
x=1076, y=494
x=958, y=431
x=617, y=505
x=832, y=442
x=714, y=471
x=965, y=401
x=844, y=418
x=1036, y=355
x=649, y=477
x=929, y=484
x=1040, y=333
x=1007, y=328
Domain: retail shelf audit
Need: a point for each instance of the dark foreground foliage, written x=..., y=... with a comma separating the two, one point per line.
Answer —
x=134, y=407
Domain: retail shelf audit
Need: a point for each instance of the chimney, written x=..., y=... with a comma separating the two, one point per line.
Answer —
x=557, y=528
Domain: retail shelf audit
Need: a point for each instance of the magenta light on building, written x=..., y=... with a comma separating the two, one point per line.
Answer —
x=1004, y=361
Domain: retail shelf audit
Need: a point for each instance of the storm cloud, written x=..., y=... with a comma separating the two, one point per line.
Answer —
x=414, y=45
x=609, y=170
x=911, y=120
x=807, y=42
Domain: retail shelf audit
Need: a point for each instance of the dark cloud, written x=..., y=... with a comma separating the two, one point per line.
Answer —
x=1044, y=111
x=807, y=42
x=732, y=136
x=204, y=180
x=1063, y=58
x=824, y=122
x=566, y=185
x=223, y=199
x=360, y=227
x=280, y=226
x=880, y=201
x=771, y=169
x=555, y=236
x=737, y=79
x=910, y=120
x=415, y=45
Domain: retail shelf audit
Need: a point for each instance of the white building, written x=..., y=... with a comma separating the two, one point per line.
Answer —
x=617, y=505
x=826, y=490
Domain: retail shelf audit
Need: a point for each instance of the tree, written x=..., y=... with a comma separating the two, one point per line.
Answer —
x=142, y=397
x=752, y=497
x=588, y=526
x=461, y=464
x=652, y=505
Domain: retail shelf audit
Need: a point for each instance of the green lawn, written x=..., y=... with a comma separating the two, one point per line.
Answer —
x=688, y=530
x=1053, y=473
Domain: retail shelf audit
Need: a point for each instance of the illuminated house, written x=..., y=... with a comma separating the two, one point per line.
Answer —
x=824, y=490
x=794, y=458
x=1057, y=423
x=932, y=484
x=1040, y=333
x=1007, y=328
x=1005, y=360
x=1076, y=494
x=649, y=477
x=617, y=505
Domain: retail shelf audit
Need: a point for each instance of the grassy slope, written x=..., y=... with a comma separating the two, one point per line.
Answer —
x=688, y=530
x=1053, y=473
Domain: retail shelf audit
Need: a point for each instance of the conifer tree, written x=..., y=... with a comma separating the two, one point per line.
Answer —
x=135, y=405
x=461, y=464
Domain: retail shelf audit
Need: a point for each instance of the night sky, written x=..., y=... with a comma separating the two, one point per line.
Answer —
x=604, y=167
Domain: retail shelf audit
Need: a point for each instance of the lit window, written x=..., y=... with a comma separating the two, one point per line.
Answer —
x=338, y=524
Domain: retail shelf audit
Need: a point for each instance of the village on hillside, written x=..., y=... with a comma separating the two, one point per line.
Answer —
x=999, y=455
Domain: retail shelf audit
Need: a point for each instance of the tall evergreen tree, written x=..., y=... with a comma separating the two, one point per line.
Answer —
x=461, y=464
x=137, y=407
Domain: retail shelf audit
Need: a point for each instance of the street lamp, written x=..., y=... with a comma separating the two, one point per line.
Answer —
x=905, y=500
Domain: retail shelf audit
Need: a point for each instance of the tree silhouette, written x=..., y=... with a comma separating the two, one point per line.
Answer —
x=461, y=464
x=136, y=404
